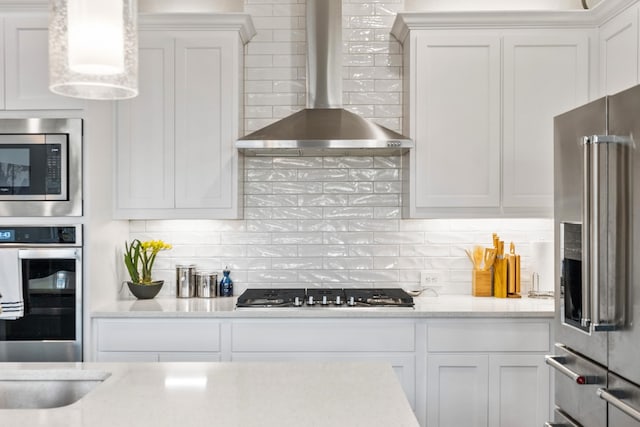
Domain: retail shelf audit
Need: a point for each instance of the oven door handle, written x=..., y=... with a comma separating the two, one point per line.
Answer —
x=605, y=394
x=558, y=363
x=53, y=253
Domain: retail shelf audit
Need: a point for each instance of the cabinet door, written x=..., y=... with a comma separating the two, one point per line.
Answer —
x=456, y=122
x=27, y=66
x=619, y=52
x=457, y=390
x=518, y=390
x=544, y=75
x=206, y=115
x=145, y=146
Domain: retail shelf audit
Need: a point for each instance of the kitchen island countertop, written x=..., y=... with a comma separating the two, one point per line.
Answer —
x=425, y=307
x=227, y=394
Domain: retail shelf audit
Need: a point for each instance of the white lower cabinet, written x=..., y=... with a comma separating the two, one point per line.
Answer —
x=157, y=340
x=488, y=373
x=455, y=372
x=457, y=390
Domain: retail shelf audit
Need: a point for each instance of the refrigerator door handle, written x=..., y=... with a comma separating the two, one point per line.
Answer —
x=601, y=179
x=587, y=221
x=558, y=363
x=619, y=403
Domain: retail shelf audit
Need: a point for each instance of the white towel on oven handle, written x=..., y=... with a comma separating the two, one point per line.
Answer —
x=11, y=299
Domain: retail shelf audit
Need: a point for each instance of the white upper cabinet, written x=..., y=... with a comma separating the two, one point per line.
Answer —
x=455, y=120
x=544, y=75
x=480, y=97
x=174, y=152
x=619, y=52
x=26, y=66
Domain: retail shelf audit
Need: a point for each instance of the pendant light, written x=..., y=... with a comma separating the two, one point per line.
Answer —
x=93, y=49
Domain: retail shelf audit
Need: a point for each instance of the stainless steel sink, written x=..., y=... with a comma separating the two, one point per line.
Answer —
x=44, y=388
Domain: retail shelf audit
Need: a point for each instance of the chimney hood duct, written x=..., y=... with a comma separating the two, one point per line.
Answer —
x=324, y=127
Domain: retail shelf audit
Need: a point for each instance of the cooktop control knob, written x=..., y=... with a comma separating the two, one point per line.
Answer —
x=297, y=302
x=324, y=300
x=310, y=301
x=351, y=301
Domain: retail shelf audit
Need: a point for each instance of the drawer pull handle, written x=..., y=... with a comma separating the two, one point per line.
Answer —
x=558, y=363
x=618, y=403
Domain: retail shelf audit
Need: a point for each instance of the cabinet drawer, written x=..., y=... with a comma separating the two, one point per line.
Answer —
x=323, y=336
x=488, y=336
x=158, y=335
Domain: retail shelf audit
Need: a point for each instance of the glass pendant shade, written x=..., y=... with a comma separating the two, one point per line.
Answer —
x=93, y=49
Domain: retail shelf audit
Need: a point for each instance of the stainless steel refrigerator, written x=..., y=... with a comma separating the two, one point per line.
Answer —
x=596, y=359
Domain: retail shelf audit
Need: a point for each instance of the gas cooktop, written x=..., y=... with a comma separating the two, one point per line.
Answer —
x=325, y=297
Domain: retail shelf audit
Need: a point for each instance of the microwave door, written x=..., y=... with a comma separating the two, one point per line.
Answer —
x=570, y=129
x=624, y=343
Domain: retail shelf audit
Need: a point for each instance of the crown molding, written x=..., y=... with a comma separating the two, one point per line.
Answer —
x=592, y=18
x=241, y=22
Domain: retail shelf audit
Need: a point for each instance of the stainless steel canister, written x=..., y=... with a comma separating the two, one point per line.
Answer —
x=206, y=285
x=185, y=281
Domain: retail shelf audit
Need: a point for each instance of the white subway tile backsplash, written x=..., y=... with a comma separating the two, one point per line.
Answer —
x=374, y=174
x=323, y=225
x=258, y=188
x=262, y=175
x=374, y=250
x=400, y=237
x=297, y=162
x=329, y=221
x=373, y=225
x=324, y=250
x=254, y=200
x=318, y=278
x=302, y=263
x=323, y=175
x=374, y=200
x=272, y=251
x=301, y=238
x=347, y=187
x=348, y=238
x=303, y=213
x=387, y=212
x=348, y=212
x=387, y=187
x=348, y=263
x=377, y=278
x=359, y=59
x=323, y=200
x=296, y=188
x=271, y=226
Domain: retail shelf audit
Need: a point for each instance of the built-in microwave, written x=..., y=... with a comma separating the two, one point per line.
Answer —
x=40, y=167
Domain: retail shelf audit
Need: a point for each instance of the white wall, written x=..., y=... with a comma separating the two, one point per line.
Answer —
x=328, y=222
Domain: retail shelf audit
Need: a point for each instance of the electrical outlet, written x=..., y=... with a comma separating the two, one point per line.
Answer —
x=429, y=278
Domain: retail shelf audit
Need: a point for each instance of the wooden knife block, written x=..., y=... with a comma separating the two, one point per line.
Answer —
x=481, y=283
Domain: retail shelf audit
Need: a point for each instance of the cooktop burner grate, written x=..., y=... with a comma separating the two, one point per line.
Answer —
x=325, y=297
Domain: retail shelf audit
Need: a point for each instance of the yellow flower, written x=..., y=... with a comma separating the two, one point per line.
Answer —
x=143, y=253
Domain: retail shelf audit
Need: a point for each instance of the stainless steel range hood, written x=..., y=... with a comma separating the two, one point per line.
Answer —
x=324, y=127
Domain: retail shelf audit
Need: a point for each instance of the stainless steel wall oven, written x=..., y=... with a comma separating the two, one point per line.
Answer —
x=40, y=167
x=41, y=293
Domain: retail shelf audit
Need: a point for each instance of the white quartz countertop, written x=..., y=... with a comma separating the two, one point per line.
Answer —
x=425, y=306
x=227, y=394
